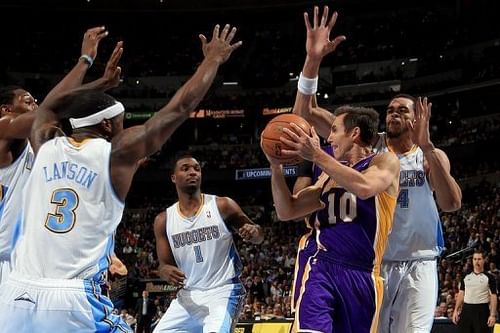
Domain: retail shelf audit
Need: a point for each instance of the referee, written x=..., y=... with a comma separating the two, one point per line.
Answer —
x=478, y=295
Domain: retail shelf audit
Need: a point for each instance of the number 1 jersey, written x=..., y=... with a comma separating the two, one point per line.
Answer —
x=203, y=246
x=70, y=212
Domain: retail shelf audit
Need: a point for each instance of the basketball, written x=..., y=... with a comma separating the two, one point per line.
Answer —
x=270, y=136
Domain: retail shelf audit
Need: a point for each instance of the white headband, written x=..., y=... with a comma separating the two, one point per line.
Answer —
x=97, y=117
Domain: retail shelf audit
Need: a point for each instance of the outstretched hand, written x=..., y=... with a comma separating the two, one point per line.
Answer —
x=318, y=42
x=113, y=71
x=91, y=40
x=220, y=47
x=419, y=129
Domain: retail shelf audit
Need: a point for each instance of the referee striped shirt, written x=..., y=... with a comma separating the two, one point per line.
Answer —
x=477, y=287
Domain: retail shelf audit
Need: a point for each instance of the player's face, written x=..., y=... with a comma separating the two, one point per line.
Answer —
x=340, y=140
x=23, y=102
x=399, y=111
x=187, y=175
x=478, y=261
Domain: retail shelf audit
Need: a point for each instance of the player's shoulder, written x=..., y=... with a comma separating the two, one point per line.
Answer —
x=386, y=159
x=161, y=218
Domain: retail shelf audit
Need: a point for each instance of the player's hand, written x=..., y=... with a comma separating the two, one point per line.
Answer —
x=300, y=143
x=491, y=321
x=248, y=232
x=318, y=42
x=113, y=71
x=455, y=317
x=173, y=275
x=419, y=129
x=91, y=40
x=117, y=267
x=220, y=47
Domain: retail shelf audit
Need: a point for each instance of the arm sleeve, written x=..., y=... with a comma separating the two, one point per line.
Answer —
x=492, y=282
x=305, y=169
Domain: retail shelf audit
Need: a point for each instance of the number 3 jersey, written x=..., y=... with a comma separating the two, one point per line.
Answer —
x=351, y=230
x=70, y=212
x=203, y=246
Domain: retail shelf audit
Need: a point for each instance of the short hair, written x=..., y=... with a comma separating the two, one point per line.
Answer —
x=367, y=119
x=179, y=156
x=478, y=251
x=83, y=103
x=7, y=94
x=407, y=96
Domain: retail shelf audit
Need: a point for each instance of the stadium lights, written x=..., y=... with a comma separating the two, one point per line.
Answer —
x=230, y=83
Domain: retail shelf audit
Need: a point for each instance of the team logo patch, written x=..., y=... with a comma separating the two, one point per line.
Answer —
x=24, y=297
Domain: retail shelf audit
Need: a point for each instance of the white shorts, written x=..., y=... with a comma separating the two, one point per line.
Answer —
x=197, y=311
x=410, y=296
x=50, y=305
x=4, y=271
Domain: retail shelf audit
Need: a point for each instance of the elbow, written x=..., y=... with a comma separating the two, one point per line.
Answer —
x=284, y=215
x=451, y=205
x=364, y=193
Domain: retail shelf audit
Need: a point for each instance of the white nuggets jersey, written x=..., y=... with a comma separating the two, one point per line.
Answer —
x=416, y=229
x=12, y=180
x=203, y=248
x=70, y=212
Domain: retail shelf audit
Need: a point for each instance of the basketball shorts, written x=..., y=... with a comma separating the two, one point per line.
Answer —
x=338, y=298
x=306, y=249
x=204, y=311
x=4, y=271
x=410, y=296
x=52, y=305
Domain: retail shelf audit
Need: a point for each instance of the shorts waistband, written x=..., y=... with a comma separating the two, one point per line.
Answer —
x=46, y=283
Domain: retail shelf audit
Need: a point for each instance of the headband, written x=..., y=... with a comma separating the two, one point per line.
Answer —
x=97, y=117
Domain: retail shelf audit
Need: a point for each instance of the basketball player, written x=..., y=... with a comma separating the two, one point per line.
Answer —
x=195, y=247
x=352, y=206
x=74, y=198
x=16, y=155
x=410, y=268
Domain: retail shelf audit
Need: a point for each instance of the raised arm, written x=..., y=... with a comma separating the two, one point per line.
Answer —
x=168, y=269
x=318, y=46
x=448, y=193
x=46, y=123
x=236, y=219
x=137, y=142
x=20, y=127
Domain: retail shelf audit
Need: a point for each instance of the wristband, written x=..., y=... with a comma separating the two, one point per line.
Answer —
x=307, y=86
x=88, y=59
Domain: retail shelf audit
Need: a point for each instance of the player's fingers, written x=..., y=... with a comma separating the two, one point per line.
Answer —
x=289, y=143
x=224, y=32
x=292, y=134
x=333, y=20
x=298, y=129
x=203, y=39
x=324, y=17
x=289, y=153
x=306, y=21
x=96, y=29
x=236, y=45
x=336, y=42
x=231, y=35
x=315, y=20
x=101, y=35
x=215, y=34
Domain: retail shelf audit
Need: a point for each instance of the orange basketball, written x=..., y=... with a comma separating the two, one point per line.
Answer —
x=271, y=143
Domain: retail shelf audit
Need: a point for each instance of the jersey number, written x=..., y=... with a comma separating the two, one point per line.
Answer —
x=347, y=207
x=63, y=219
x=403, y=198
x=197, y=253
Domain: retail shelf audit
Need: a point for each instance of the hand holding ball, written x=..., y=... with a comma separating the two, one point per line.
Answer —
x=270, y=137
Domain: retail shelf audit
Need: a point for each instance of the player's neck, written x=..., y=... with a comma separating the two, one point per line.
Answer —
x=189, y=203
x=400, y=145
x=357, y=154
x=87, y=133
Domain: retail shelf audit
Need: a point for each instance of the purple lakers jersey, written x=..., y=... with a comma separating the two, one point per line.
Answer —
x=349, y=229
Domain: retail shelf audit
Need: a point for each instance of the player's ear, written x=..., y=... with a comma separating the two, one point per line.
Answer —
x=172, y=178
x=356, y=134
x=4, y=109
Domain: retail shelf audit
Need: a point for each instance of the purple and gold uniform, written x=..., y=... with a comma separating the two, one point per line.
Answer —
x=341, y=289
